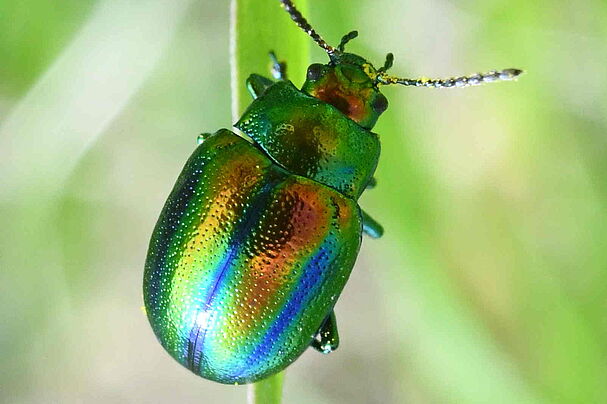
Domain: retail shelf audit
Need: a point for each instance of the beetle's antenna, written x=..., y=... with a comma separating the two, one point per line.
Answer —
x=463, y=81
x=306, y=27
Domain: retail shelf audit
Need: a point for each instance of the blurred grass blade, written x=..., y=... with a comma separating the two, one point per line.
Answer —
x=48, y=131
x=257, y=27
x=42, y=139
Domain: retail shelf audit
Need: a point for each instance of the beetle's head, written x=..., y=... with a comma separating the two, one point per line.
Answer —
x=350, y=84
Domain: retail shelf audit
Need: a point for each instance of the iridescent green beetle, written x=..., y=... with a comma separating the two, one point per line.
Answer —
x=258, y=237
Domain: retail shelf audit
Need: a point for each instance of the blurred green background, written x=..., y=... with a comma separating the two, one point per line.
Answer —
x=489, y=285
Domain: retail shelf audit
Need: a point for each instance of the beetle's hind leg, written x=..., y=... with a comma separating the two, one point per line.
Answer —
x=371, y=227
x=279, y=69
x=326, y=339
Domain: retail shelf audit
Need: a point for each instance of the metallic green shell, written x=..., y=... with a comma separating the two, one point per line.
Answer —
x=311, y=138
x=245, y=262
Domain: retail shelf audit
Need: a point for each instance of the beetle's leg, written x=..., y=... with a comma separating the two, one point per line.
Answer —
x=372, y=183
x=257, y=85
x=279, y=69
x=327, y=338
x=371, y=227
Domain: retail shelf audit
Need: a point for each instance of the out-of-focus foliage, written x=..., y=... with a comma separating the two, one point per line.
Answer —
x=489, y=285
x=33, y=34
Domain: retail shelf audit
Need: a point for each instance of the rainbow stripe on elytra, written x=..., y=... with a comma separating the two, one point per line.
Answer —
x=245, y=262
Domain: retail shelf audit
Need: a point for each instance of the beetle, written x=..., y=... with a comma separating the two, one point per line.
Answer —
x=260, y=233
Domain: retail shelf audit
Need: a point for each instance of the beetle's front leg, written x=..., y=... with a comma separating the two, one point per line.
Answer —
x=371, y=227
x=257, y=85
x=327, y=338
x=279, y=69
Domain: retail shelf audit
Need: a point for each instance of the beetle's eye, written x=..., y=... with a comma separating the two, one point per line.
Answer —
x=315, y=71
x=380, y=103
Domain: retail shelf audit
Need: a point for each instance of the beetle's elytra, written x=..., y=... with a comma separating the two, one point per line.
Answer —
x=258, y=237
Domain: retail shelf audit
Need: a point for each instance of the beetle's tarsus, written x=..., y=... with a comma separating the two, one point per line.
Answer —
x=371, y=227
x=326, y=339
x=279, y=69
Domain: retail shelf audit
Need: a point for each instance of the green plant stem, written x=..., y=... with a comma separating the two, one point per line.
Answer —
x=267, y=391
x=256, y=28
